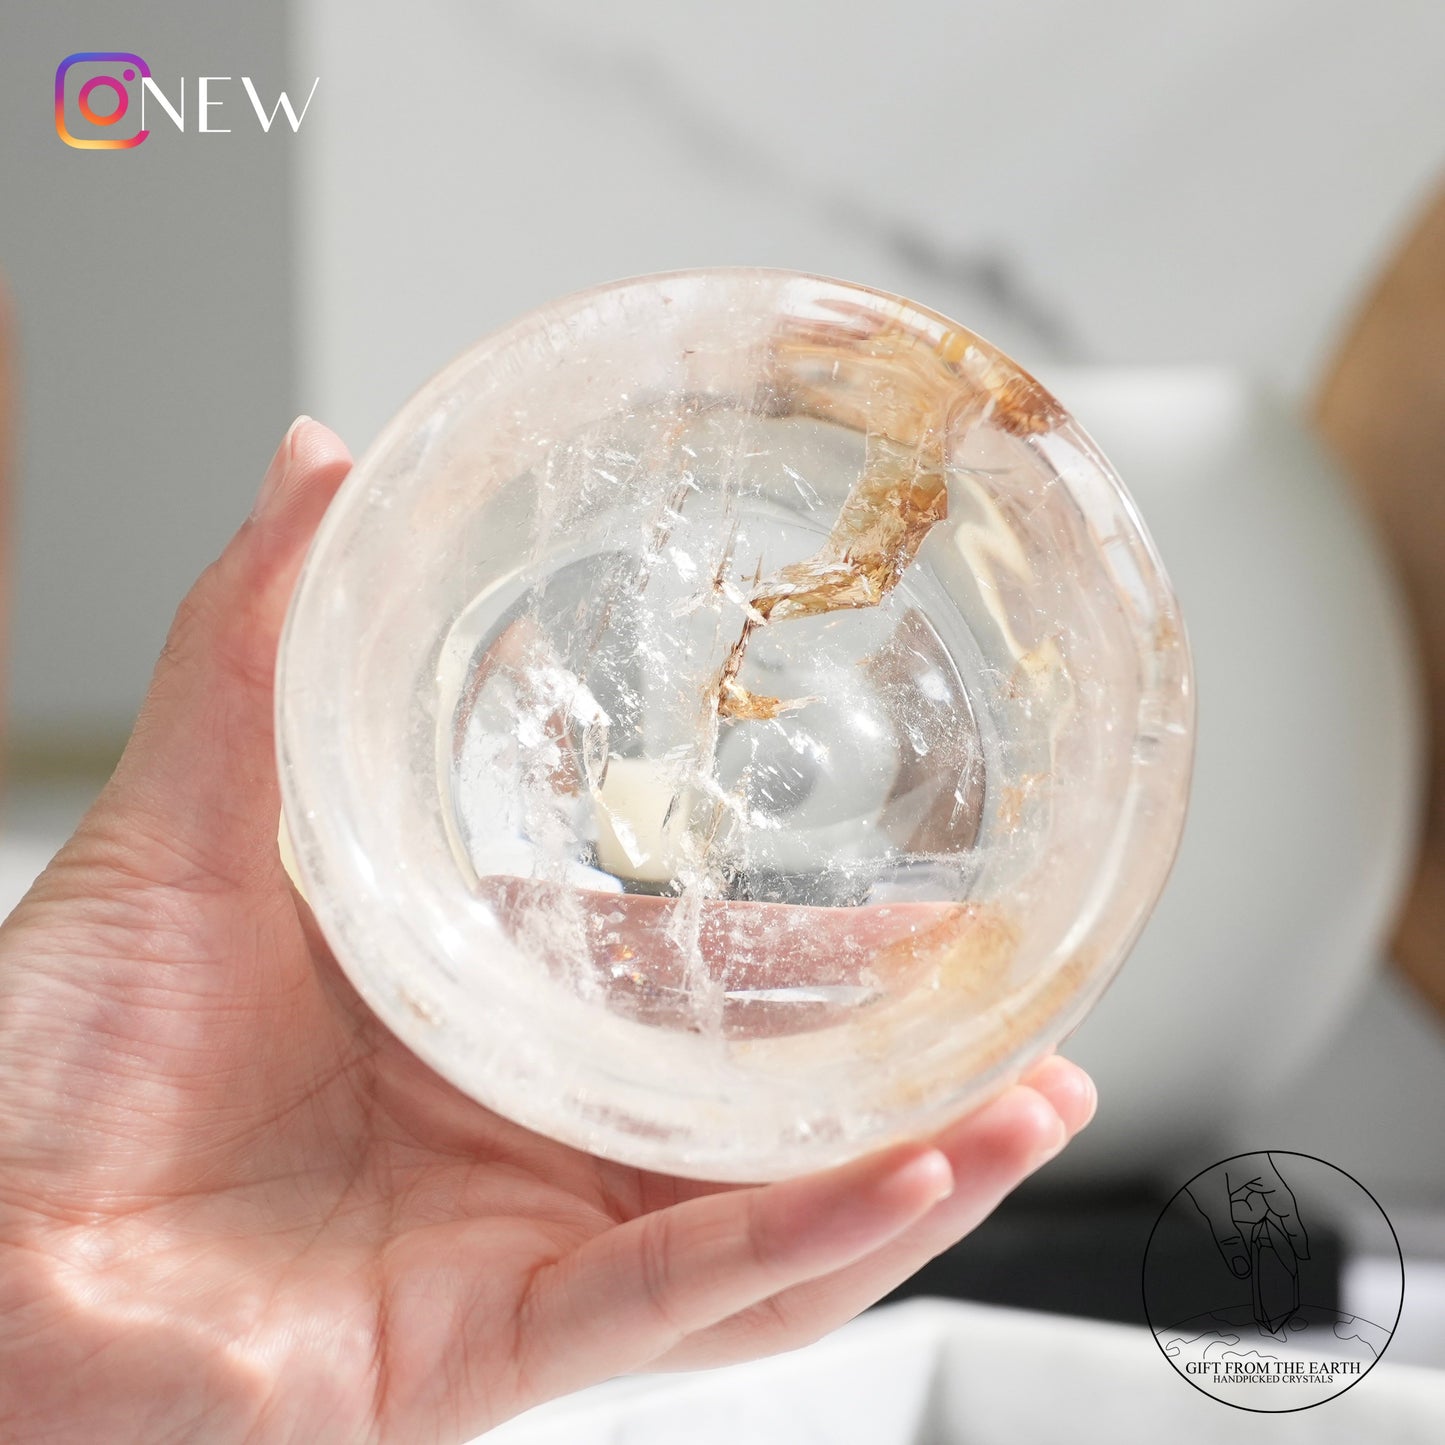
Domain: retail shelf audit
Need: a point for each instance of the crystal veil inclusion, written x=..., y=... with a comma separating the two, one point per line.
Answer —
x=679, y=910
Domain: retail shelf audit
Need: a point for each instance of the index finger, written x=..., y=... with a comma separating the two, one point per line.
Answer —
x=1282, y=1205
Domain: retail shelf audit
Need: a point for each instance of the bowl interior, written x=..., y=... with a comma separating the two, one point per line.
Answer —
x=730, y=720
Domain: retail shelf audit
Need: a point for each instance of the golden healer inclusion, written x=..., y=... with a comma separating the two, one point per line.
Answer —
x=731, y=721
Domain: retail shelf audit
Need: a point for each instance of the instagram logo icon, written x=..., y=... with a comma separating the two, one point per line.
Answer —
x=95, y=86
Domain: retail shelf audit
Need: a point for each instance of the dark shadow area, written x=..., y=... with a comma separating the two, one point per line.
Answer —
x=1084, y=1255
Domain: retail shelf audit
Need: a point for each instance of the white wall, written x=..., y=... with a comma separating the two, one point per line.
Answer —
x=1116, y=181
x=153, y=295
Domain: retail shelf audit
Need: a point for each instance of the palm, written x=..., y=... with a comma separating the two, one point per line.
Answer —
x=234, y=1207
x=389, y=1201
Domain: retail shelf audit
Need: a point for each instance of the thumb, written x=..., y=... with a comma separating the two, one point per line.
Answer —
x=196, y=789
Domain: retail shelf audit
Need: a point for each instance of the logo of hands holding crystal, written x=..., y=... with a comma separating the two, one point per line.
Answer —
x=1240, y=1303
x=1256, y=1226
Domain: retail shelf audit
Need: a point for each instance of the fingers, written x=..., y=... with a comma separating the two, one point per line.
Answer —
x=1211, y=1198
x=991, y=1152
x=636, y=1292
x=1282, y=1205
x=1068, y=1089
x=197, y=782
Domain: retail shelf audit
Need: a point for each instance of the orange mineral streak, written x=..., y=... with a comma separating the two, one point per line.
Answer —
x=962, y=964
x=736, y=701
x=965, y=954
x=1014, y=798
x=911, y=396
x=1016, y=1019
x=899, y=499
x=866, y=369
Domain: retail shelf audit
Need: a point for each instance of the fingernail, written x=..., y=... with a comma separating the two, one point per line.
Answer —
x=273, y=484
x=1240, y=1265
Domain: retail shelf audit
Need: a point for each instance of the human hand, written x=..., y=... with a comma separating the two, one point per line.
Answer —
x=233, y=1207
x=1240, y=1194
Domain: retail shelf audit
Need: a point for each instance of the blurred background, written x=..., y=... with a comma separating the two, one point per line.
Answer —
x=1180, y=217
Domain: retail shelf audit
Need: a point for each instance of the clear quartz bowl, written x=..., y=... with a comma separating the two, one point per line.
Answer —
x=732, y=721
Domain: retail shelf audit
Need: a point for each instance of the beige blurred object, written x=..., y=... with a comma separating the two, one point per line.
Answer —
x=1382, y=409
